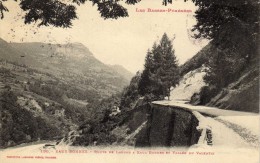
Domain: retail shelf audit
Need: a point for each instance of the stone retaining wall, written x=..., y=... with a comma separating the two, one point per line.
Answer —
x=169, y=126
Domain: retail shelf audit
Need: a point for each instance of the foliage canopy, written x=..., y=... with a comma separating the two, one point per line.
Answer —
x=160, y=70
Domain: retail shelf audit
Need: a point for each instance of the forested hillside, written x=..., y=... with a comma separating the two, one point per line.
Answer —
x=51, y=89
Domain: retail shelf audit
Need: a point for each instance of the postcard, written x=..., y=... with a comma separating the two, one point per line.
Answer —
x=129, y=81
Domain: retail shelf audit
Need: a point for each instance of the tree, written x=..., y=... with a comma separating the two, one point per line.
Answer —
x=166, y=72
x=214, y=15
x=145, y=83
x=225, y=65
x=160, y=70
x=60, y=14
x=170, y=66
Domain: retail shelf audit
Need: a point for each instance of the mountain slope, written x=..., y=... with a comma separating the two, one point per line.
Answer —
x=198, y=59
x=121, y=70
x=242, y=94
x=31, y=112
x=72, y=63
x=47, y=90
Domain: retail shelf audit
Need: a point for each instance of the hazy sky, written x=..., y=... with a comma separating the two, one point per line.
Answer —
x=124, y=41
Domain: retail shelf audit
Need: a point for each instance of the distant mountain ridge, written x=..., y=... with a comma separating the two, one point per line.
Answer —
x=71, y=62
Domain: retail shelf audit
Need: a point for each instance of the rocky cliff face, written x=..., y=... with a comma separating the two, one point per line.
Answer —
x=190, y=83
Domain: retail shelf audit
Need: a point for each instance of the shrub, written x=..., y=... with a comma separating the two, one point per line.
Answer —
x=206, y=94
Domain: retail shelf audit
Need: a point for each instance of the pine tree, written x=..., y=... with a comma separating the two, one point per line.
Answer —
x=160, y=70
x=167, y=74
x=145, y=82
x=171, y=72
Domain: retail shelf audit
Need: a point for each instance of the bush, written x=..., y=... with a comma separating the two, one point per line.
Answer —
x=206, y=94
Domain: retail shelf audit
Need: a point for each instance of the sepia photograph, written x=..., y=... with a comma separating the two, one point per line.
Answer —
x=129, y=81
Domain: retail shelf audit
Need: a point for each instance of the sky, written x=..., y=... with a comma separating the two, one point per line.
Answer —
x=124, y=41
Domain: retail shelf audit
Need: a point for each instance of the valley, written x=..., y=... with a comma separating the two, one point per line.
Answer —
x=59, y=92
